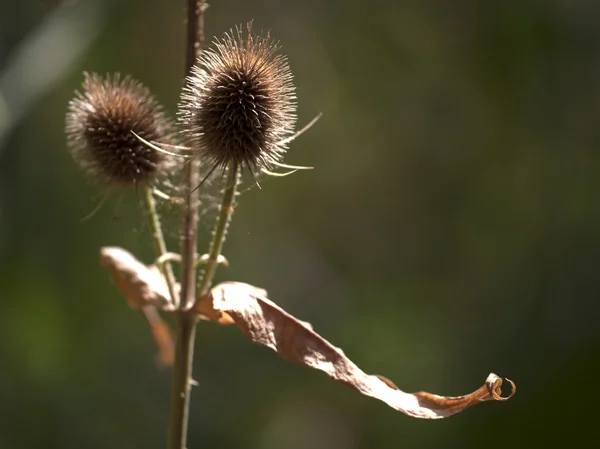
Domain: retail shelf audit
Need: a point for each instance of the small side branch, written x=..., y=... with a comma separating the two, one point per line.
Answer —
x=160, y=247
x=220, y=232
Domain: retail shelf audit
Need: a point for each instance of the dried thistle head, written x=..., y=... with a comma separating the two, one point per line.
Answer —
x=238, y=105
x=99, y=126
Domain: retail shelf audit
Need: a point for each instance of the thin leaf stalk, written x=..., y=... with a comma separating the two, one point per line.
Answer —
x=158, y=240
x=221, y=227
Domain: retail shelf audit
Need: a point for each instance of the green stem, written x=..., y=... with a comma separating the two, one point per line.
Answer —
x=158, y=239
x=220, y=232
x=182, y=379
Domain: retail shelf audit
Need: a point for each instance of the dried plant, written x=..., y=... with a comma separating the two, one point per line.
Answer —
x=237, y=111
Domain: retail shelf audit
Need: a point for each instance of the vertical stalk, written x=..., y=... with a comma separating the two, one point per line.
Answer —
x=186, y=322
x=195, y=41
x=182, y=380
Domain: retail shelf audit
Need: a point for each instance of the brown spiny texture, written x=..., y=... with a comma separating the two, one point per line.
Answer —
x=239, y=102
x=99, y=126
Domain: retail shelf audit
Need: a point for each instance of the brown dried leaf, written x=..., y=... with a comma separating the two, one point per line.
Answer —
x=266, y=324
x=205, y=310
x=140, y=285
x=144, y=288
x=161, y=334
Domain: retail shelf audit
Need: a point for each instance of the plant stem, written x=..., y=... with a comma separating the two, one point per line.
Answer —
x=186, y=321
x=220, y=232
x=182, y=379
x=158, y=240
x=195, y=41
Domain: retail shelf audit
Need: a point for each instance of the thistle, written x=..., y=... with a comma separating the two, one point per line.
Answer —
x=238, y=104
x=99, y=126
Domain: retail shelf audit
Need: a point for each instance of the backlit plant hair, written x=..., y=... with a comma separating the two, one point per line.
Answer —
x=238, y=105
x=236, y=112
x=99, y=126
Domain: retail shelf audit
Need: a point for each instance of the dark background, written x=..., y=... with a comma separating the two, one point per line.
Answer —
x=451, y=227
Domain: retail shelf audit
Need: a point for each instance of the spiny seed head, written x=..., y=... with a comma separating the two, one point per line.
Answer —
x=99, y=126
x=239, y=102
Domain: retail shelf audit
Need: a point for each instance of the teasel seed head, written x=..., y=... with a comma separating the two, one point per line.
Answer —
x=99, y=126
x=238, y=105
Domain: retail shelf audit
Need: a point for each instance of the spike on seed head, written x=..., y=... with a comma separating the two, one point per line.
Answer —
x=238, y=105
x=99, y=126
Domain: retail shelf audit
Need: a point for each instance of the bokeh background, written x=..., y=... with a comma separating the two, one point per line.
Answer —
x=451, y=227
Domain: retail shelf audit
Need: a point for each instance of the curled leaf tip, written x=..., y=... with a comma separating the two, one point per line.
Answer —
x=494, y=386
x=386, y=381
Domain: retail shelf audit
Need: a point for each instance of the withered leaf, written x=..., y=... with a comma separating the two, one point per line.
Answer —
x=205, y=310
x=266, y=324
x=161, y=334
x=139, y=284
x=144, y=288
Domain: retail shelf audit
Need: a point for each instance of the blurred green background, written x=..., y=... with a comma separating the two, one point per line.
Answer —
x=451, y=227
